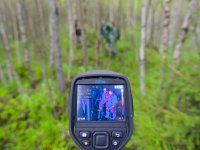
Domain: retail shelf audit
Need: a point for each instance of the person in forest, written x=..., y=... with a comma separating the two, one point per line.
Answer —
x=112, y=36
x=103, y=28
x=102, y=34
x=78, y=32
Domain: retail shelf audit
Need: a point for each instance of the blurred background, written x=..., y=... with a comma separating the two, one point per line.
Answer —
x=45, y=43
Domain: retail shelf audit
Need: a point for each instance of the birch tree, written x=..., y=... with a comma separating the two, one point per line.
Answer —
x=54, y=34
x=24, y=41
x=5, y=41
x=166, y=24
x=165, y=40
x=142, y=47
x=84, y=31
x=70, y=27
x=42, y=48
x=174, y=23
x=2, y=76
x=111, y=13
x=11, y=71
x=16, y=39
x=184, y=30
x=131, y=17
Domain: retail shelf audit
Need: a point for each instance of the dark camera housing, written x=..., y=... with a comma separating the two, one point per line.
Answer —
x=107, y=133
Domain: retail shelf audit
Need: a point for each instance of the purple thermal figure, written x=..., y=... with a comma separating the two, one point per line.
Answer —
x=102, y=102
x=112, y=101
x=86, y=108
x=122, y=107
x=85, y=101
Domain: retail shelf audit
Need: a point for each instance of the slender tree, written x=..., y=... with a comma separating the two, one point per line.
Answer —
x=5, y=41
x=184, y=30
x=131, y=18
x=142, y=47
x=54, y=34
x=165, y=40
x=84, y=31
x=2, y=76
x=166, y=24
x=70, y=27
x=24, y=42
x=111, y=14
x=11, y=71
x=42, y=48
x=174, y=23
x=16, y=34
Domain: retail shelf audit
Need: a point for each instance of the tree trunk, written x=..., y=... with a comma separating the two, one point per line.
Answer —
x=53, y=20
x=184, y=30
x=24, y=42
x=111, y=15
x=179, y=46
x=84, y=31
x=42, y=49
x=132, y=20
x=2, y=76
x=119, y=22
x=166, y=24
x=71, y=28
x=142, y=47
x=5, y=41
x=149, y=27
x=174, y=19
x=165, y=41
x=11, y=71
x=16, y=34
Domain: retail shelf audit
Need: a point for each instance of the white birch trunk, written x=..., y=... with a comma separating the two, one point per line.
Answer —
x=132, y=20
x=53, y=20
x=2, y=76
x=184, y=30
x=149, y=27
x=5, y=41
x=6, y=49
x=71, y=28
x=11, y=71
x=42, y=49
x=166, y=24
x=16, y=40
x=142, y=47
x=165, y=41
x=24, y=42
x=84, y=31
x=111, y=15
x=174, y=19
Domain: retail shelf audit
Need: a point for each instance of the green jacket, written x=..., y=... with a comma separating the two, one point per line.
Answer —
x=112, y=35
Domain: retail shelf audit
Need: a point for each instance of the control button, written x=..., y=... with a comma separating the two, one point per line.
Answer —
x=84, y=134
x=86, y=142
x=100, y=140
x=115, y=142
x=117, y=134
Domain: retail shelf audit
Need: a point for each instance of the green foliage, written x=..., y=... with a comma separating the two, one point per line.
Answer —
x=164, y=119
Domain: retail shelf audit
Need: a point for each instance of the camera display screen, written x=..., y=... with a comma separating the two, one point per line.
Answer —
x=100, y=103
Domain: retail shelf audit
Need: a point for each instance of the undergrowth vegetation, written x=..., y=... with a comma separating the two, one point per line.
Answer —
x=164, y=119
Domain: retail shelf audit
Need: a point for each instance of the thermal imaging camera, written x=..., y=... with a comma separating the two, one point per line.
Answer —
x=100, y=110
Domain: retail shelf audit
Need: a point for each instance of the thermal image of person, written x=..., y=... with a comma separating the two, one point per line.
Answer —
x=111, y=106
x=105, y=96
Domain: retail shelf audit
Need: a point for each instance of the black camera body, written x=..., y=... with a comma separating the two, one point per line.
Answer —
x=100, y=110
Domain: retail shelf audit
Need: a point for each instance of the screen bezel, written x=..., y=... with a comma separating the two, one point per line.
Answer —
x=76, y=118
